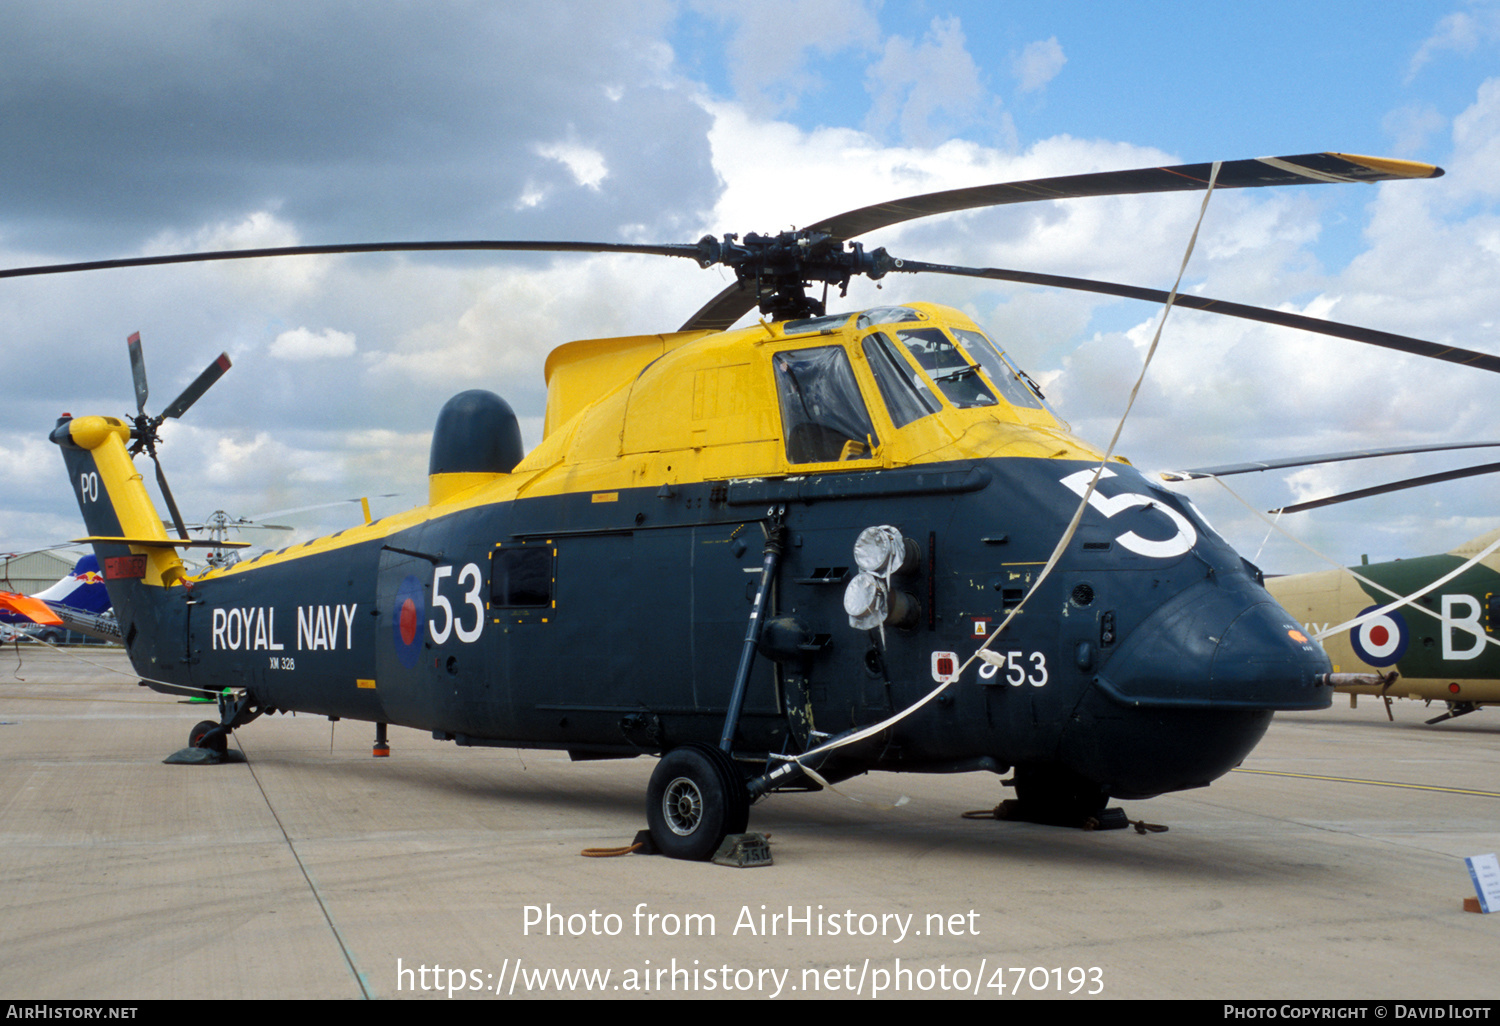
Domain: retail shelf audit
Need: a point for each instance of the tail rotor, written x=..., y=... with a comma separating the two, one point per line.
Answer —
x=146, y=430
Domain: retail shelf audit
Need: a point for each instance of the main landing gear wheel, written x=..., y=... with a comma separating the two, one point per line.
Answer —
x=1055, y=797
x=219, y=743
x=696, y=798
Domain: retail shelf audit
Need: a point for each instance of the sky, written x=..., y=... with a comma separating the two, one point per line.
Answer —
x=143, y=127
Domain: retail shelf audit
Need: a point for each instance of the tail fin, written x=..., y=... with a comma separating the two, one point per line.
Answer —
x=140, y=562
x=81, y=589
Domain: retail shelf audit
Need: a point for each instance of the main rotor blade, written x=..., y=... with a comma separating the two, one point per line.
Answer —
x=237, y=525
x=1229, y=469
x=1394, y=486
x=202, y=383
x=1257, y=172
x=138, y=372
x=676, y=249
x=1307, y=169
x=1281, y=318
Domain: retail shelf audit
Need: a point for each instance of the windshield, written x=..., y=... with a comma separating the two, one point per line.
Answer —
x=948, y=367
x=1014, y=384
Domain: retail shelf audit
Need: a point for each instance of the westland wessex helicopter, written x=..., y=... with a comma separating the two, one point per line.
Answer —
x=748, y=551
x=1425, y=628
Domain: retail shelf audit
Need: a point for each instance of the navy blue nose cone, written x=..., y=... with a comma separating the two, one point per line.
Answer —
x=1192, y=689
x=1223, y=643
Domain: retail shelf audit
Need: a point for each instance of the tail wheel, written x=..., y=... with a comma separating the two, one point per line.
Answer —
x=218, y=743
x=696, y=798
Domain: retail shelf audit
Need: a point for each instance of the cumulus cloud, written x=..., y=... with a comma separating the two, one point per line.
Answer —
x=775, y=46
x=584, y=163
x=1411, y=126
x=1038, y=64
x=301, y=344
x=1461, y=32
x=925, y=87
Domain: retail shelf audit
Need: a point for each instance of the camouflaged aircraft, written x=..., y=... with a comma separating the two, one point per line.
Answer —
x=1436, y=648
x=768, y=555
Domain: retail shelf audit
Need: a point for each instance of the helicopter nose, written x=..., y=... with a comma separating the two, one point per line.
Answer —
x=1192, y=689
x=1220, y=644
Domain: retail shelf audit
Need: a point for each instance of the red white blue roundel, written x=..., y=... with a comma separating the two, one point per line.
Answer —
x=409, y=621
x=1380, y=640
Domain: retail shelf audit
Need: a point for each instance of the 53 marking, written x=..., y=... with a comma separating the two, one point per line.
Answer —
x=1016, y=670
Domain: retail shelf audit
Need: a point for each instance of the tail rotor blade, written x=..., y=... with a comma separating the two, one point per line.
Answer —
x=166, y=493
x=138, y=371
x=195, y=391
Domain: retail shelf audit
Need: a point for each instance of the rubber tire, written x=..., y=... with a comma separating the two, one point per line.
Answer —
x=695, y=799
x=195, y=737
x=1056, y=795
x=734, y=788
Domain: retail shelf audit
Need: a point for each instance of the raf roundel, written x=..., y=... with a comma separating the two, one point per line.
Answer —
x=1380, y=640
x=408, y=621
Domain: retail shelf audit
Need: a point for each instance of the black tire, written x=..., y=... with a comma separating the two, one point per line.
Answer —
x=219, y=743
x=695, y=799
x=1054, y=795
x=734, y=789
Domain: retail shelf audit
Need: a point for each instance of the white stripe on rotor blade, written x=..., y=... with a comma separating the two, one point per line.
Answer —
x=1305, y=172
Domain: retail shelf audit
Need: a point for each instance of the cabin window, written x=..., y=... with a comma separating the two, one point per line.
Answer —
x=950, y=370
x=907, y=397
x=1012, y=383
x=814, y=325
x=521, y=577
x=823, y=416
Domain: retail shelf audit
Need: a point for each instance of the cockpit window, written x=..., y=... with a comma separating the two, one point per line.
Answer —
x=906, y=396
x=1012, y=383
x=823, y=415
x=948, y=368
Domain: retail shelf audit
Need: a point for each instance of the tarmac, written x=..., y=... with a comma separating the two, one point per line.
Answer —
x=1330, y=866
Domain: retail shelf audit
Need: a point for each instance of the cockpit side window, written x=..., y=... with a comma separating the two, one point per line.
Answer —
x=946, y=364
x=823, y=416
x=906, y=396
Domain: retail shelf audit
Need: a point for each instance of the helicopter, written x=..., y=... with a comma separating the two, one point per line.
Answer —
x=219, y=524
x=1422, y=628
x=1440, y=651
x=775, y=556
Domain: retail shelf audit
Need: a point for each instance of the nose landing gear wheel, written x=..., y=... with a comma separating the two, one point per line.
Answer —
x=219, y=743
x=696, y=798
